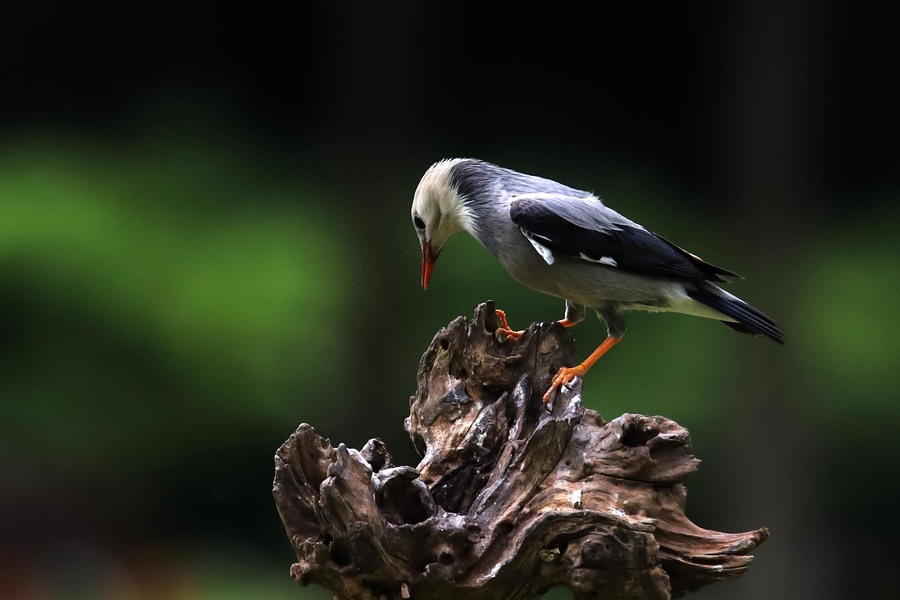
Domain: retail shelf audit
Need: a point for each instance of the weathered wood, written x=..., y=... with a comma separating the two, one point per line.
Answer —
x=509, y=499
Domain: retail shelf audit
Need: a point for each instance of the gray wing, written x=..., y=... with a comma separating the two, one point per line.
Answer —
x=586, y=229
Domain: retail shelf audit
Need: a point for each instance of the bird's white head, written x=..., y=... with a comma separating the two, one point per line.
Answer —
x=438, y=211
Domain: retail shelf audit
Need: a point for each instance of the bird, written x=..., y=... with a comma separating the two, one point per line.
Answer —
x=567, y=243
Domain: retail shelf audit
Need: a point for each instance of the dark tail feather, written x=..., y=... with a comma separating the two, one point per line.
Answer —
x=749, y=320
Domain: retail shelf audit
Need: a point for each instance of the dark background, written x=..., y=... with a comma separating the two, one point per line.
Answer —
x=205, y=240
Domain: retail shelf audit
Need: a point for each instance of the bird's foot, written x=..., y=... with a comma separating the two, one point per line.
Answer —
x=504, y=331
x=563, y=377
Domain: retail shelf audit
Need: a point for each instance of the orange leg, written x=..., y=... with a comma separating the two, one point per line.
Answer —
x=566, y=374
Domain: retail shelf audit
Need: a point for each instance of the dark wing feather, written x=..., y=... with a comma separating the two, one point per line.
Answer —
x=586, y=229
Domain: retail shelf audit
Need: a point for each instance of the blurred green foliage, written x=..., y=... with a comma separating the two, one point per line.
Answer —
x=159, y=308
x=850, y=341
x=216, y=285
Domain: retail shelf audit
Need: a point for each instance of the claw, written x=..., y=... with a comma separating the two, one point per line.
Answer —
x=504, y=332
x=563, y=377
x=507, y=334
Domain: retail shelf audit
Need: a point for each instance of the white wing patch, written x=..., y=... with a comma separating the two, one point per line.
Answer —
x=603, y=260
x=544, y=251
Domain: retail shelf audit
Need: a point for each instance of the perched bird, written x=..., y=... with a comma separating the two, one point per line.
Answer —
x=567, y=243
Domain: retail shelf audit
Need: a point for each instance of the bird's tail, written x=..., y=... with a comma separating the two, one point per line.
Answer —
x=746, y=318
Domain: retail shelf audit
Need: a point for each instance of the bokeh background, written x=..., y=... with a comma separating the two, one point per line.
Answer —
x=205, y=240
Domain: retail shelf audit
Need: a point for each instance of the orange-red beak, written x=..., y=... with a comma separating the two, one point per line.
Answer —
x=428, y=259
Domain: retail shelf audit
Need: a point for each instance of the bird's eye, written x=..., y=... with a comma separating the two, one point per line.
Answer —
x=418, y=222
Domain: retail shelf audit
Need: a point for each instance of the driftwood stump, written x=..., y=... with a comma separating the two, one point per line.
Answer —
x=509, y=499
